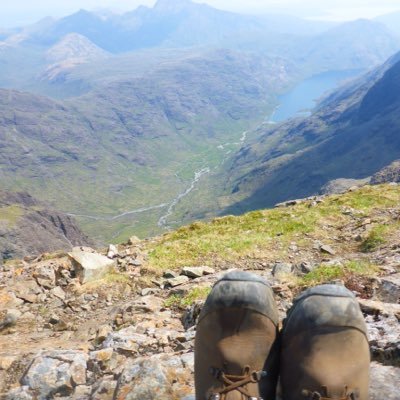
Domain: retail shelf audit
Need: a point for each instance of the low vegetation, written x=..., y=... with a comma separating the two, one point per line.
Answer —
x=268, y=233
x=183, y=301
x=326, y=273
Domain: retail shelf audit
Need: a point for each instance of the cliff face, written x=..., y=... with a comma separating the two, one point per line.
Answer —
x=29, y=227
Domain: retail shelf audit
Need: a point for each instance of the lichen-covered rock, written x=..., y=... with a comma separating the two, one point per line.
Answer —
x=384, y=382
x=128, y=340
x=56, y=372
x=21, y=393
x=157, y=377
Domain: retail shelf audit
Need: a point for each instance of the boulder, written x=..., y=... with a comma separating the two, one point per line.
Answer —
x=179, y=280
x=56, y=372
x=45, y=276
x=281, y=269
x=158, y=377
x=112, y=251
x=197, y=272
x=327, y=250
x=389, y=289
x=384, y=382
x=90, y=266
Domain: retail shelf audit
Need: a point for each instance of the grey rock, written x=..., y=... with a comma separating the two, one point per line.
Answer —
x=179, y=280
x=112, y=251
x=307, y=267
x=193, y=272
x=158, y=377
x=147, y=291
x=21, y=393
x=45, y=276
x=384, y=382
x=58, y=292
x=327, y=249
x=389, y=289
x=128, y=340
x=10, y=319
x=56, y=372
x=104, y=389
x=191, y=314
x=90, y=266
x=169, y=274
x=280, y=269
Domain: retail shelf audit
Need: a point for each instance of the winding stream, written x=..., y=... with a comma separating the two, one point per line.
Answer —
x=162, y=222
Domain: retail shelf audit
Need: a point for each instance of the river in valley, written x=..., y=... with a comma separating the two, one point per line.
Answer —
x=300, y=100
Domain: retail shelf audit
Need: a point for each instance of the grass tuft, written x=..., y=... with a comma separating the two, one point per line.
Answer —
x=374, y=240
x=178, y=301
x=326, y=273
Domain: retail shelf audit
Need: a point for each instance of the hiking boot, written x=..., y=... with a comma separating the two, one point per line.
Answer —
x=236, y=349
x=325, y=351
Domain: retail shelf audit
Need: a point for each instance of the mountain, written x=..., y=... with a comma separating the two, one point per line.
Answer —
x=134, y=145
x=352, y=134
x=174, y=23
x=74, y=46
x=72, y=50
x=31, y=227
x=170, y=27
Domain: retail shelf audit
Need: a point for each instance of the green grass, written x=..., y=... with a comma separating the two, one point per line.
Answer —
x=11, y=214
x=376, y=237
x=325, y=273
x=231, y=238
x=177, y=301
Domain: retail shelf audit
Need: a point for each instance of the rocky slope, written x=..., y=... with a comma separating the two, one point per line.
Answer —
x=352, y=134
x=29, y=227
x=121, y=324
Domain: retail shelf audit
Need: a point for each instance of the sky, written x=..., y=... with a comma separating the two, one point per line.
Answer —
x=22, y=12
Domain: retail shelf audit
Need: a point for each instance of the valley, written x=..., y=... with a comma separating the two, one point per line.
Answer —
x=146, y=152
x=133, y=129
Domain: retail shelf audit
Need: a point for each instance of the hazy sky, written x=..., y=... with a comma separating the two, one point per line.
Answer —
x=19, y=12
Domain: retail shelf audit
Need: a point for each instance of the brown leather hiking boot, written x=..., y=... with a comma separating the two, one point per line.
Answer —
x=236, y=350
x=325, y=352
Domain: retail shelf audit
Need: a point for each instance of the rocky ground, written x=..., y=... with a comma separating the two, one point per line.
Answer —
x=103, y=325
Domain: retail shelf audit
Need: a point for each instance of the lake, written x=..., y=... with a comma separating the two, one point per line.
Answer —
x=302, y=98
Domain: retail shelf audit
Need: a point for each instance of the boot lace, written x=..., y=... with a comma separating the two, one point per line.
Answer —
x=235, y=382
x=323, y=395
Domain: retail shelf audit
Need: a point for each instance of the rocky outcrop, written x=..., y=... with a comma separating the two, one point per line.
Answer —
x=391, y=173
x=29, y=227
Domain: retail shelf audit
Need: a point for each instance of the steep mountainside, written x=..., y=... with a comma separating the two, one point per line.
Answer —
x=390, y=173
x=31, y=227
x=353, y=134
x=134, y=144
